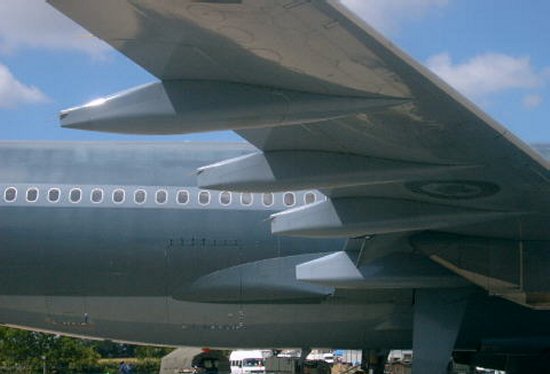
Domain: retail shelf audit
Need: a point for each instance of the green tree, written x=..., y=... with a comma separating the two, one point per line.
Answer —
x=27, y=351
x=110, y=349
x=152, y=352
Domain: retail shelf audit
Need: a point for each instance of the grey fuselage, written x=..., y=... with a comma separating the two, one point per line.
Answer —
x=125, y=270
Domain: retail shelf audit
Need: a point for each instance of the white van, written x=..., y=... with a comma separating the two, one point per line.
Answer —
x=247, y=362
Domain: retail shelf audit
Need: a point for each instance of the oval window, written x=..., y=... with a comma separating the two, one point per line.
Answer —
x=204, y=197
x=118, y=196
x=246, y=198
x=161, y=196
x=97, y=195
x=309, y=198
x=53, y=195
x=183, y=197
x=289, y=199
x=267, y=199
x=32, y=195
x=10, y=194
x=225, y=198
x=140, y=196
x=75, y=195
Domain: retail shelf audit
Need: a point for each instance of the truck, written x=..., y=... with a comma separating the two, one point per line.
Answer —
x=248, y=362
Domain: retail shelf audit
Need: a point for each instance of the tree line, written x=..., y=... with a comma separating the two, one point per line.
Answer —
x=33, y=352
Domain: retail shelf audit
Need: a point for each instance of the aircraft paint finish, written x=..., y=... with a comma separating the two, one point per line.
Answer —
x=430, y=228
x=116, y=271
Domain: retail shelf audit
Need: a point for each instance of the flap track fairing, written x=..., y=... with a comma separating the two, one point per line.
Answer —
x=300, y=170
x=183, y=107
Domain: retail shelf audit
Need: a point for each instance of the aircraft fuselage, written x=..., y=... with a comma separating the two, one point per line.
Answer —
x=114, y=240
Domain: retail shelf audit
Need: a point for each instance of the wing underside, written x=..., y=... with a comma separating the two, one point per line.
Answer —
x=332, y=105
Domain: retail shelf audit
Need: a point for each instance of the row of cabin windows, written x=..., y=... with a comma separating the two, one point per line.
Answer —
x=161, y=196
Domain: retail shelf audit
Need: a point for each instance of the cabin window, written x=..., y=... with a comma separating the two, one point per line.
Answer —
x=96, y=196
x=246, y=198
x=267, y=199
x=140, y=196
x=53, y=195
x=75, y=195
x=183, y=197
x=32, y=195
x=161, y=197
x=204, y=197
x=289, y=199
x=309, y=198
x=225, y=198
x=118, y=196
x=10, y=194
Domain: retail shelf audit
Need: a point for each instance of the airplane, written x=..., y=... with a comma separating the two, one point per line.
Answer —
x=374, y=207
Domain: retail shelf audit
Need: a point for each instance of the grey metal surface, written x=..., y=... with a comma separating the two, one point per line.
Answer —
x=516, y=270
x=186, y=106
x=290, y=170
x=122, y=269
x=392, y=271
x=437, y=319
x=347, y=217
x=118, y=271
x=319, y=47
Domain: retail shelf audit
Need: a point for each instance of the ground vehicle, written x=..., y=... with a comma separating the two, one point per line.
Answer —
x=328, y=357
x=247, y=362
x=189, y=360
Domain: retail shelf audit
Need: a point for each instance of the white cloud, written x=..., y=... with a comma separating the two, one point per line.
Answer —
x=532, y=101
x=14, y=93
x=34, y=23
x=387, y=15
x=487, y=74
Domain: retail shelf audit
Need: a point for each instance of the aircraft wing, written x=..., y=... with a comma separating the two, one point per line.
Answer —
x=395, y=149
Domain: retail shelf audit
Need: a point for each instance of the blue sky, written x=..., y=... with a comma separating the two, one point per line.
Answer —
x=494, y=51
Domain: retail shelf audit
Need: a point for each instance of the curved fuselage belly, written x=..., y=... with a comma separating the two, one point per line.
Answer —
x=116, y=273
x=161, y=320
